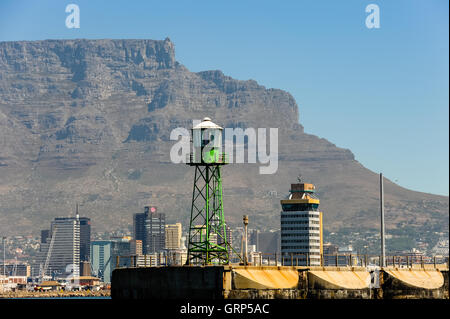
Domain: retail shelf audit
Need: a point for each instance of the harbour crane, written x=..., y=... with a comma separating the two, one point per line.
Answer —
x=14, y=271
x=101, y=272
x=49, y=253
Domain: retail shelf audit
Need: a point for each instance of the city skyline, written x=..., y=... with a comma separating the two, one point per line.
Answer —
x=237, y=230
x=105, y=253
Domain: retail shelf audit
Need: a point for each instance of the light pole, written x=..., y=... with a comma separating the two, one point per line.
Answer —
x=4, y=256
x=245, y=220
x=383, y=257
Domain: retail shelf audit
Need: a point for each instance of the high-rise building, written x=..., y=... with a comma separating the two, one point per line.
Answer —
x=155, y=232
x=301, y=226
x=102, y=262
x=173, y=236
x=176, y=252
x=139, y=228
x=71, y=245
x=106, y=253
x=85, y=238
x=149, y=227
x=64, y=255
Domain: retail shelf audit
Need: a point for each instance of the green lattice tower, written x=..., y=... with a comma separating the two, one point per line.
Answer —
x=207, y=230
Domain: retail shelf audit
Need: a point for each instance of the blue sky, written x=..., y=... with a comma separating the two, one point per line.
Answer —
x=383, y=93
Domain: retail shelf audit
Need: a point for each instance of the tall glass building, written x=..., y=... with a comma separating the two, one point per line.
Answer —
x=149, y=227
x=301, y=227
x=155, y=230
x=85, y=238
x=104, y=255
x=71, y=245
x=63, y=255
x=102, y=261
x=139, y=229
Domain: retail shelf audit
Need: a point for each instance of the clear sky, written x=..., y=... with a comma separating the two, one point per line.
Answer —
x=381, y=92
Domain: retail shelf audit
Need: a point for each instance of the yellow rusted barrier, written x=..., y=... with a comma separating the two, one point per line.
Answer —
x=339, y=279
x=420, y=278
x=264, y=278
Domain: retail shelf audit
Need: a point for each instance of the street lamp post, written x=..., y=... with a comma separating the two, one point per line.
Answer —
x=4, y=256
x=245, y=220
x=383, y=257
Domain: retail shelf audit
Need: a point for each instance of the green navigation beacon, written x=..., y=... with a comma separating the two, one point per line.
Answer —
x=207, y=230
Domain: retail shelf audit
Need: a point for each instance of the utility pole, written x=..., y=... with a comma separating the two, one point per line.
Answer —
x=383, y=256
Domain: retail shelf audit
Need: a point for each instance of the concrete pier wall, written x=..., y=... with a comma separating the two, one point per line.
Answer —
x=265, y=277
x=446, y=287
x=413, y=284
x=239, y=282
x=167, y=283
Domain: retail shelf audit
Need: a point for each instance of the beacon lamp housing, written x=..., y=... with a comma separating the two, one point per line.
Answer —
x=207, y=141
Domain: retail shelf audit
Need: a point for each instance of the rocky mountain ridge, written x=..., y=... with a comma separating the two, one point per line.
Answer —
x=89, y=122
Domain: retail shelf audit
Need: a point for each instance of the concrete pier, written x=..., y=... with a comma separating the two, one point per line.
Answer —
x=414, y=284
x=168, y=283
x=278, y=282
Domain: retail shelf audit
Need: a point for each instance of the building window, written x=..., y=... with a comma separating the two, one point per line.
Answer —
x=300, y=207
x=300, y=228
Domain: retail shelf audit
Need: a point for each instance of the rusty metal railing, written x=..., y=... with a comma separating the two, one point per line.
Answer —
x=294, y=259
x=151, y=260
x=346, y=259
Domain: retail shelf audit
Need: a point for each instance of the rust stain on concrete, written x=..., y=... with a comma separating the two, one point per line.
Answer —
x=420, y=278
x=332, y=279
x=247, y=278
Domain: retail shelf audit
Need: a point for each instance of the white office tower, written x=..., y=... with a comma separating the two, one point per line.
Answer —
x=63, y=255
x=301, y=227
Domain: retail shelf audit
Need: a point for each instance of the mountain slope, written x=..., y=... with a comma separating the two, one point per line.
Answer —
x=89, y=121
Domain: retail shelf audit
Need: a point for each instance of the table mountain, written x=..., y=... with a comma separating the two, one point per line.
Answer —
x=89, y=122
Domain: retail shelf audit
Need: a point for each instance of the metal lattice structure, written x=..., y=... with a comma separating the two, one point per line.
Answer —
x=207, y=230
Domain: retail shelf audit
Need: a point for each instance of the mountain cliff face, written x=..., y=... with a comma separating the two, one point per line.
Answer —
x=89, y=122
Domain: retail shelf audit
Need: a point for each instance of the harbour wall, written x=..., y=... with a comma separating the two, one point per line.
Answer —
x=278, y=282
